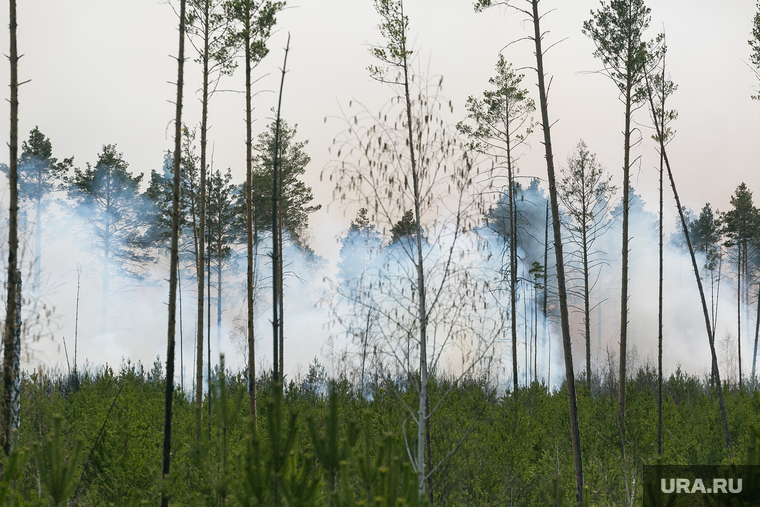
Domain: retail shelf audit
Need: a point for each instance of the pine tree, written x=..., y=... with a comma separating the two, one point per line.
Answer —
x=173, y=263
x=617, y=30
x=585, y=191
x=296, y=201
x=39, y=176
x=754, y=44
x=255, y=20
x=503, y=121
x=113, y=213
x=223, y=232
x=532, y=12
x=739, y=226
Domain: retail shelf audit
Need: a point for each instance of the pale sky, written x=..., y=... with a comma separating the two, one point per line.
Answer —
x=101, y=73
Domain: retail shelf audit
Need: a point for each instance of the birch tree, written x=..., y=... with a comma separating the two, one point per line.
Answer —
x=407, y=158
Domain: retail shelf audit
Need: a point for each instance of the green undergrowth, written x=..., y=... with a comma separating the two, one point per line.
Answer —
x=95, y=440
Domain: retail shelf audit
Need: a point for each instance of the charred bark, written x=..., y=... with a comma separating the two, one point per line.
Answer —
x=14, y=276
x=174, y=261
x=560, y=262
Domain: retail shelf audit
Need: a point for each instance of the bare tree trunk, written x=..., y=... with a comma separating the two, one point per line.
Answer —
x=560, y=262
x=659, y=303
x=249, y=221
x=546, y=275
x=757, y=331
x=106, y=277
x=276, y=253
x=202, y=226
x=698, y=278
x=512, y=258
x=181, y=351
x=219, y=300
x=624, y=264
x=38, y=248
x=422, y=415
x=14, y=277
x=281, y=280
x=174, y=261
x=739, y=308
x=586, y=304
x=208, y=334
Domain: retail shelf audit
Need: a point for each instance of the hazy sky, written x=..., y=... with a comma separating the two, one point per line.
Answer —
x=101, y=73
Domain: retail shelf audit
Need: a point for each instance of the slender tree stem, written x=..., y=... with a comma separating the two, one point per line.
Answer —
x=174, y=261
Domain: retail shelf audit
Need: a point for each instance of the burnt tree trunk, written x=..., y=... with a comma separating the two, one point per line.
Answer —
x=14, y=277
x=174, y=261
x=560, y=262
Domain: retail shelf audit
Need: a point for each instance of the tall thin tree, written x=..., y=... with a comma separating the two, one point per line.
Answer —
x=174, y=261
x=662, y=88
x=12, y=327
x=503, y=120
x=277, y=303
x=256, y=19
x=394, y=27
x=585, y=190
x=710, y=338
x=209, y=24
x=740, y=226
x=531, y=11
x=617, y=30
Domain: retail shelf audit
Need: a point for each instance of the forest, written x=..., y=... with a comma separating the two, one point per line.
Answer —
x=495, y=327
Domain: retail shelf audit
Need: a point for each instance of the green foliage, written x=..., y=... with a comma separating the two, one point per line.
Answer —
x=585, y=190
x=208, y=22
x=502, y=118
x=254, y=20
x=296, y=197
x=740, y=223
x=617, y=30
x=57, y=473
x=108, y=200
x=406, y=228
x=346, y=449
x=754, y=44
x=39, y=173
x=393, y=28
